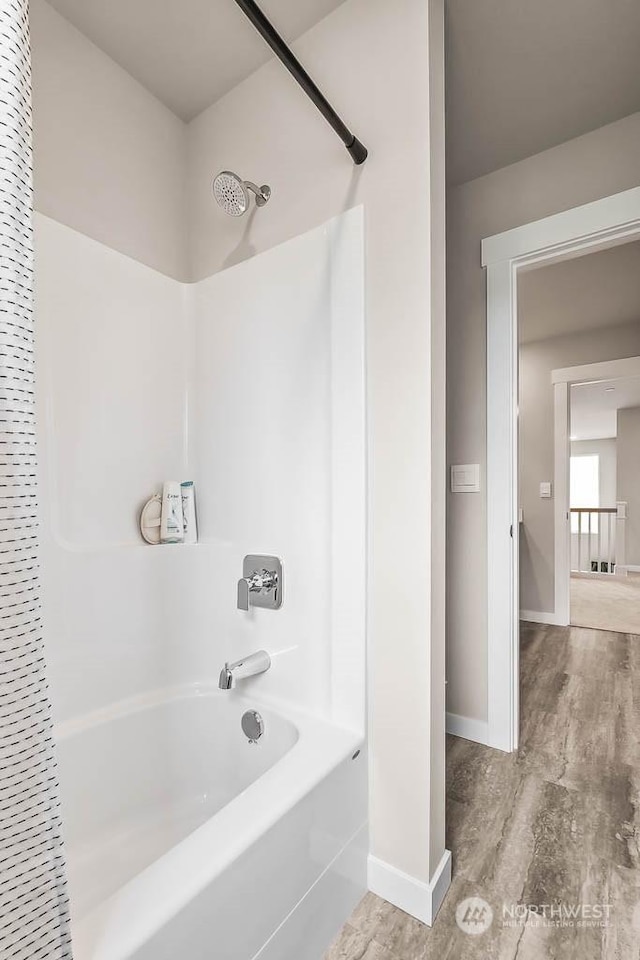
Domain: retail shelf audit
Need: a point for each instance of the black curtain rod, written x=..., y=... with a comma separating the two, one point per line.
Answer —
x=356, y=149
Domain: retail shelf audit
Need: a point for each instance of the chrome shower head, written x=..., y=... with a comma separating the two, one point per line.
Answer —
x=232, y=193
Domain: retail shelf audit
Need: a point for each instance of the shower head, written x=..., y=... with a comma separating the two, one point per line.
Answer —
x=232, y=193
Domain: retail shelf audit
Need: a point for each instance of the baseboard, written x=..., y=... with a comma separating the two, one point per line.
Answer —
x=468, y=728
x=418, y=899
x=537, y=616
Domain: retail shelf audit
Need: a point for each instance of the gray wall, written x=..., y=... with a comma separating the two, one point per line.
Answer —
x=537, y=360
x=584, y=169
x=629, y=478
x=108, y=156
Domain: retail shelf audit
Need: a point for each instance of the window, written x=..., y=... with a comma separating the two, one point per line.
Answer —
x=584, y=489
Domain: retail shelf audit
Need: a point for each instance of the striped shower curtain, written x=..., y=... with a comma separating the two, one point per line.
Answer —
x=34, y=921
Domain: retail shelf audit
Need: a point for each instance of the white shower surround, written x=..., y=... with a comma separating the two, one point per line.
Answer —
x=252, y=384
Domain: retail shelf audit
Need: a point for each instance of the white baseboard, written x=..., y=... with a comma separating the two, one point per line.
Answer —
x=537, y=616
x=418, y=899
x=468, y=728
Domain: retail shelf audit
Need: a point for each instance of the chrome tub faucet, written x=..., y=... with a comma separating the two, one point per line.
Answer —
x=246, y=667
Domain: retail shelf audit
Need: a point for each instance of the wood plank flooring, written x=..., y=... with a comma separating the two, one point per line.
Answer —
x=556, y=823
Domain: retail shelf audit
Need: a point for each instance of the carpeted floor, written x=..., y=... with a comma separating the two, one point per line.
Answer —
x=606, y=604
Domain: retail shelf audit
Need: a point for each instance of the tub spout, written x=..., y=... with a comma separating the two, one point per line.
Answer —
x=226, y=678
x=246, y=667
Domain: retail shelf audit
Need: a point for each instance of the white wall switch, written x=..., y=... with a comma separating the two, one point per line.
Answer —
x=545, y=489
x=465, y=478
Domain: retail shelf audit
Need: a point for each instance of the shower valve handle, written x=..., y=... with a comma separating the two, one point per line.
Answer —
x=262, y=580
x=261, y=585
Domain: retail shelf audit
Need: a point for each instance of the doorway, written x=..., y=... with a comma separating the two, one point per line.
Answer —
x=597, y=445
x=573, y=233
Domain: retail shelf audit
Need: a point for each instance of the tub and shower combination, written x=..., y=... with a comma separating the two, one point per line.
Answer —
x=187, y=835
x=184, y=764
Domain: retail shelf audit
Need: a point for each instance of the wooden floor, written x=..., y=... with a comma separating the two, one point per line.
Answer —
x=557, y=823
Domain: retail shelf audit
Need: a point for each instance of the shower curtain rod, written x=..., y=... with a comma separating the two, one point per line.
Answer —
x=357, y=150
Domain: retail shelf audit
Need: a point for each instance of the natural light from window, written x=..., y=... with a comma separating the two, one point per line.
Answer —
x=584, y=489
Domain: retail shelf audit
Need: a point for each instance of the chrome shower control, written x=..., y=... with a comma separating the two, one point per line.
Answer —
x=261, y=583
x=252, y=725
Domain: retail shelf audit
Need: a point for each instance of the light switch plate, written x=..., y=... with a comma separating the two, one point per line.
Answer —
x=545, y=489
x=465, y=478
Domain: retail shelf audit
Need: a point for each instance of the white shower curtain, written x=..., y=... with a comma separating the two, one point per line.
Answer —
x=34, y=919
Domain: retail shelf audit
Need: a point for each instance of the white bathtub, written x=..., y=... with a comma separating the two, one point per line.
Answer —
x=184, y=841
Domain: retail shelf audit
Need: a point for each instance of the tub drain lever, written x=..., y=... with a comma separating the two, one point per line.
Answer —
x=252, y=725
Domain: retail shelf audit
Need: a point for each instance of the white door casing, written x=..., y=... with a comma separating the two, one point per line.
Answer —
x=572, y=233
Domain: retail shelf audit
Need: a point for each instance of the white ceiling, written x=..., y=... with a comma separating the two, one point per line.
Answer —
x=594, y=406
x=599, y=290
x=190, y=53
x=525, y=75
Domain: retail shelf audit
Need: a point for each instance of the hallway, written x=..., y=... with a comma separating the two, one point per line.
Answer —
x=558, y=823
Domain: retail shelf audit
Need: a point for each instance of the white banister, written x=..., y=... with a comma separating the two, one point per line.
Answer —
x=600, y=536
x=579, y=541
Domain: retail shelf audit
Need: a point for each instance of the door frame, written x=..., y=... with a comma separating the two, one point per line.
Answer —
x=571, y=233
x=562, y=381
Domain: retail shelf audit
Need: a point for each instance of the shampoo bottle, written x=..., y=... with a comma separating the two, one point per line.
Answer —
x=189, y=512
x=171, y=522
